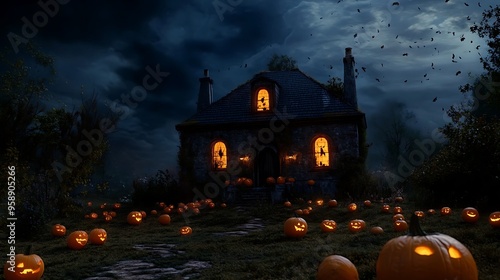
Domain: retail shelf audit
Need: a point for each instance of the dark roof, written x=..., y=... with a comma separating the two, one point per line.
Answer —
x=302, y=96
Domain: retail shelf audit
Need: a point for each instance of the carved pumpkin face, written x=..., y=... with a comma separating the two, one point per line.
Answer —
x=112, y=213
x=94, y=215
x=470, y=215
x=185, y=230
x=77, y=240
x=352, y=207
x=419, y=213
x=134, y=218
x=400, y=225
x=58, y=230
x=386, y=208
x=398, y=217
x=98, y=236
x=108, y=218
x=27, y=266
x=332, y=203
x=319, y=202
x=397, y=210
x=494, y=219
x=117, y=206
x=356, y=225
x=445, y=211
x=328, y=226
x=295, y=227
x=425, y=256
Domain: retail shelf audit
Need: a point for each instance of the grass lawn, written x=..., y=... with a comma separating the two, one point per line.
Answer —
x=263, y=254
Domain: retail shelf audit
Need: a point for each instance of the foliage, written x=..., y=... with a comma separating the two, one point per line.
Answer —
x=335, y=86
x=161, y=187
x=281, y=63
x=489, y=27
x=354, y=182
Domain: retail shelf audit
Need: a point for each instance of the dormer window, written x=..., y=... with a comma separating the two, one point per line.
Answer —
x=219, y=155
x=263, y=100
x=321, y=152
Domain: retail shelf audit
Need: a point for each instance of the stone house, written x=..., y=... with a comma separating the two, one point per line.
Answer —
x=279, y=123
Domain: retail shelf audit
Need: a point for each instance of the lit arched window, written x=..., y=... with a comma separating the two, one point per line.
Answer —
x=321, y=152
x=219, y=155
x=263, y=100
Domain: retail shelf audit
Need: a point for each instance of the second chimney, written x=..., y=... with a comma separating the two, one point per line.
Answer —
x=350, y=79
x=205, y=94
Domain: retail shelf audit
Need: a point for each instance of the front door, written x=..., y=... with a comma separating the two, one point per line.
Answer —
x=266, y=165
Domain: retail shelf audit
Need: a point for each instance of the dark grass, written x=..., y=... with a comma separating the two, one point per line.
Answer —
x=264, y=254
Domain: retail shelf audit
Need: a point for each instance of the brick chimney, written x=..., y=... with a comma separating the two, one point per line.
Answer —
x=205, y=94
x=350, y=79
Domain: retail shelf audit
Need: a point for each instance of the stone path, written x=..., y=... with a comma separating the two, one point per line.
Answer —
x=254, y=224
x=142, y=270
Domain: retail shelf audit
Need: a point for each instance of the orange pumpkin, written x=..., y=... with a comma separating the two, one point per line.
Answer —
x=431, y=212
x=352, y=207
x=419, y=213
x=386, y=208
x=311, y=182
x=280, y=180
x=287, y=204
x=397, y=210
x=337, y=267
x=332, y=203
x=295, y=227
x=186, y=230
x=154, y=212
x=470, y=215
x=367, y=203
x=356, y=225
x=24, y=266
x=134, y=218
x=58, y=230
x=377, y=230
x=422, y=256
x=398, y=199
x=445, y=211
x=400, y=225
x=398, y=217
x=77, y=239
x=164, y=219
x=494, y=219
x=98, y=236
x=328, y=226
x=270, y=180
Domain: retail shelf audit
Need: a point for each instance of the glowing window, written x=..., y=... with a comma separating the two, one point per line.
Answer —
x=321, y=153
x=219, y=155
x=263, y=100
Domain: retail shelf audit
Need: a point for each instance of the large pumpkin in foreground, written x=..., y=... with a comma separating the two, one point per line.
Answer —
x=421, y=256
x=337, y=267
x=26, y=266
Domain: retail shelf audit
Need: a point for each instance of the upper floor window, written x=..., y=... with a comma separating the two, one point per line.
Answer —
x=263, y=100
x=321, y=152
x=219, y=155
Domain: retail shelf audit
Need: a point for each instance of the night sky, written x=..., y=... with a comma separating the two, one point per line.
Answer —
x=105, y=47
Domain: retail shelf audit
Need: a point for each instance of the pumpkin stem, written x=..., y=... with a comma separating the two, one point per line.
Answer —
x=415, y=229
x=28, y=250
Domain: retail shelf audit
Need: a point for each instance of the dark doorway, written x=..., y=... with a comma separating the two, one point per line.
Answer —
x=266, y=165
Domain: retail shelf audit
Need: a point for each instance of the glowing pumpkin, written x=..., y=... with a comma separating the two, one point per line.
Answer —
x=386, y=208
x=77, y=239
x=98, y=236
x=164, y=219
x=397, y=210
x=400, y=225
x=398, y=217
x=445, y=211
x=319, y=202
x=352, y=207
x=94, y=215
x=58, y=230
x=291, y=180
x=470, y=215
x=295, y=227
x=134, y=218
x=332, y=203
x=419, y=256
x=186, y=230
x=143, y=213
x=24, y=266
x=112, y=213
x=337, y=267
x=356, y=225
x=248, y=182
x=419, y=213
x=494, y=219
x=117, y=206
x=299, y=212
x=108, y=218
x=328, y=226
x=223, y=205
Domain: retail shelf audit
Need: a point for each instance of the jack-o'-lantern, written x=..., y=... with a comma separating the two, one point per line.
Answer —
x=494, y=219
x=180, y=210
x=270, y=180
x=356, y=225
x=98, y=236
x=280, y=180
x=299, y=212
x=431, y=211
x=117, y=206
x=386, y=208
x=105, y=213
x=162, y=204
x=164, y=219
x=398, y=199
x=470, y=215
x=134, y=218
x=211, y=205
x=24, y=266
x=186, y=230
x=295, y=227
x=419, y=213
x=309, y=201
x=94, y=215
x=337, y=267
x=77, y=239
x=400, y=225
x=319, y=202
x=367, y=203
x=445, y=211
x=108, y=218
x=397, y=210
x=376, y=230
x=398, y=217
x=287, y=204
x=352, y=207
x=332, y=203
x=58, y=230
x=102, y=206
x=425, y=256
x=89, y=204
x=328, y=226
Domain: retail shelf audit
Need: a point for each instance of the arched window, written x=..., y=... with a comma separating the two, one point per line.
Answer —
x=219, y=155
x=263, y=100
x=321, y=152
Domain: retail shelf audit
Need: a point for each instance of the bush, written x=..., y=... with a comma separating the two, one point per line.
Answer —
x=149, y=190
